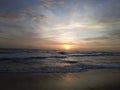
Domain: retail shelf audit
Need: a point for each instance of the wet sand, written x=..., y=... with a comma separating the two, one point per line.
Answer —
x=88, y=80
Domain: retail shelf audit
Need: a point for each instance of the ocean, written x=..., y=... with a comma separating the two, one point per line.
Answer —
x=56, y=61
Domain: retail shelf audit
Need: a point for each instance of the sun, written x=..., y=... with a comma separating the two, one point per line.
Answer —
x=67, y=46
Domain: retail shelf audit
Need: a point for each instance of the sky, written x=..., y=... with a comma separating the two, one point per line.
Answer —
x=53, y=24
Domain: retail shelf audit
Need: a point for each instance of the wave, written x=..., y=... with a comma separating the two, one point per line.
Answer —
x=96, y=54
x=66, y=69
x=42, y=55
x=55, y=61
x=29, y=58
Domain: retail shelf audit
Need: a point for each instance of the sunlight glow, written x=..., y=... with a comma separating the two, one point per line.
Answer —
x=67, y=46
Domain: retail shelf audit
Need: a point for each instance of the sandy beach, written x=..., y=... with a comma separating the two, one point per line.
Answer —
x=88, y=80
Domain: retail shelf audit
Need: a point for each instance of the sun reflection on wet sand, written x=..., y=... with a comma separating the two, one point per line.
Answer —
x=68, y=77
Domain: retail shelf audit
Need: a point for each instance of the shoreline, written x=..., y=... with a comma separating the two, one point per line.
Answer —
x=67, y=69
x=107, y=79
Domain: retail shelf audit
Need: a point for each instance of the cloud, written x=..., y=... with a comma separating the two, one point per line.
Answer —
x=114, y=34
x=107, y=41
x=109, y=12
x=17, y=32
x=101, y=38
x=82, y=22
x=22, y=36
x=34, y=17
x=41, y=18
x=12, y=17
x=49, y=3
x=17, y=36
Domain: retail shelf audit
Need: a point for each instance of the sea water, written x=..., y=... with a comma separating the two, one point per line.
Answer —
x=56, y=61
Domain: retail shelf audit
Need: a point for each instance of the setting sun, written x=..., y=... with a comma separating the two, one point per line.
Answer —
x=67, y=47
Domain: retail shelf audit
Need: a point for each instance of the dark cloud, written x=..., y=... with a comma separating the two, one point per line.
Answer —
x=97, y=38
x=12, y=17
